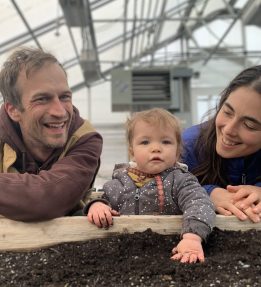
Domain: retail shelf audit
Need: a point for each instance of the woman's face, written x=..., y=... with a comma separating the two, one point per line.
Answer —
x=238, y=124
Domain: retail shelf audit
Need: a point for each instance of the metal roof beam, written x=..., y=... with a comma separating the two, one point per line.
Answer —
x=142, y=29
x=25, y=37
x=26, y=23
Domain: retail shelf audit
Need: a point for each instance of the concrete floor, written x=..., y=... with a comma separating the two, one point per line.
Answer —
x=114, y=151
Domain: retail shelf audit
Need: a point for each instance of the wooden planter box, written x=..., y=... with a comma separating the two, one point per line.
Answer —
x=21, y=236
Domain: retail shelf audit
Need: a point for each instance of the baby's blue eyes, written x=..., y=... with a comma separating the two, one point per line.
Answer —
x=165, y=142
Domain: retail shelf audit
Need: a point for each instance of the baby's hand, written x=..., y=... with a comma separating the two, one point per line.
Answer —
x=189, y=249
x=101, y=214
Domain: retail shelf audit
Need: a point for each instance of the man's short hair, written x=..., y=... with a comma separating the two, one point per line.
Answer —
x=23, y=58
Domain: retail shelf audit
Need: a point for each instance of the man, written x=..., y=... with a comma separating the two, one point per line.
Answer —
x=49, y=155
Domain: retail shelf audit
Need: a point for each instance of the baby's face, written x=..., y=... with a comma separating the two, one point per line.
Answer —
x=154, y=149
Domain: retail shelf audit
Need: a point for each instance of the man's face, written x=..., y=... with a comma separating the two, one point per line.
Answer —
x=47, y=109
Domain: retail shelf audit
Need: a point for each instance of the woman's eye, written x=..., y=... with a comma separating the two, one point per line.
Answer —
x=228, y=113
x=250, y=126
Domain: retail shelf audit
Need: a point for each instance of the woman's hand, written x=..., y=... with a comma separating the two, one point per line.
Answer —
x=223, y=201
x=248, y=199
x=101, y=214
x=189, y=249
x=225, y=204
x=249, y=195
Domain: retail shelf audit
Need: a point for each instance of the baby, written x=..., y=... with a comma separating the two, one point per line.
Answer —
x=156, y=183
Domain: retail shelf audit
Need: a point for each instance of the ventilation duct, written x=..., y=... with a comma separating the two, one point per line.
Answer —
x=252, y=12
x=140, y=89
x=90, y=66
x=75, y=12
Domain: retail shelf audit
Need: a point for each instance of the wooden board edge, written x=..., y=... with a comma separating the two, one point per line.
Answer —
x=21, y=236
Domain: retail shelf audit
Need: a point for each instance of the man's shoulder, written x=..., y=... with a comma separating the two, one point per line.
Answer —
x=82, y=136
x=84, y=128
x=79, y=126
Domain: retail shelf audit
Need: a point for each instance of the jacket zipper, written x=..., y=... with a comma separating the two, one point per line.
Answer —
x=23, y=162
x=243, y=178
x=137, y=198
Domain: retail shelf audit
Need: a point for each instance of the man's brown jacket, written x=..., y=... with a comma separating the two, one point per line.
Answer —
x=30, y=190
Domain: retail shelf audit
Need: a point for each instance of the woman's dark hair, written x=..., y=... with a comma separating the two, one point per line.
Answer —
x=211, y=168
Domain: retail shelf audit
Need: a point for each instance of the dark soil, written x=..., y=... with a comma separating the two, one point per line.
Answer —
x=140, y=259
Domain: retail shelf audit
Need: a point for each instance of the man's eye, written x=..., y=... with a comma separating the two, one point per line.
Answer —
x=41, y=100
x=66, y=97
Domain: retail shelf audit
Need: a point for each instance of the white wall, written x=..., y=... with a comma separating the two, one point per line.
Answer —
x=96, y=105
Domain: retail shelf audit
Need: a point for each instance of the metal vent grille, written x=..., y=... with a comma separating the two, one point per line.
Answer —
x=150, y=86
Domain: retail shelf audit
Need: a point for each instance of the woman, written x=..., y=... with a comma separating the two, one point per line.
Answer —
x=225, y=152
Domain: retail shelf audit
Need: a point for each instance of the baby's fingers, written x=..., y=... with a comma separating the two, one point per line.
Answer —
x=188, y=257
x=176, y=256
x=115, y=213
